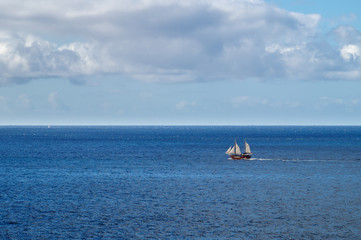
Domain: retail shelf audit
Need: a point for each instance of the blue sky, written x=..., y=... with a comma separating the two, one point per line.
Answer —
x=195, y=62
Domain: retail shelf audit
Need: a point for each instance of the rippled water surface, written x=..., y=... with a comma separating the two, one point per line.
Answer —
x=176, y=182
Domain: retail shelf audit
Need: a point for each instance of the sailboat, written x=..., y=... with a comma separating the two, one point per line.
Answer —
x=235, y=152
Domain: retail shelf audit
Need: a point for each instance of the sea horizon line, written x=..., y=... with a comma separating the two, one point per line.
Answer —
x=179, y=125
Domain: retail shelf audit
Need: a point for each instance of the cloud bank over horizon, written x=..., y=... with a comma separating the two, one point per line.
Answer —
x=172, y=41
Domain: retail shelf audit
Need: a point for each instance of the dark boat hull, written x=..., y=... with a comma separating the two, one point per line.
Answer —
x=240, y=157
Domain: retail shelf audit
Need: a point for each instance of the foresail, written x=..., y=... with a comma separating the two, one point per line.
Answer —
x=229, y=150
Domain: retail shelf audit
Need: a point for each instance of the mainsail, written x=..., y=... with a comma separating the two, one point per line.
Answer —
x=237, y=150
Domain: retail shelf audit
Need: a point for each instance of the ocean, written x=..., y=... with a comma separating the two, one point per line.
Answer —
x=175, y=182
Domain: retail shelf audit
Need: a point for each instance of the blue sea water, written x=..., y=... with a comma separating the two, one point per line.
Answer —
x=175, y=182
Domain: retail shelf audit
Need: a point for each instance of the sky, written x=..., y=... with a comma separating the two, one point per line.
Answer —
x=191, y=62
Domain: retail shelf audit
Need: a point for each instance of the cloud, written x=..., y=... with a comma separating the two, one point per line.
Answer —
x=335, y=102
x=25, y=58
x=4, y=104
x=170, y=41
x=182, y=105
x=257, y=101
x=23, y=102
x=350, y=52
x=56, y=103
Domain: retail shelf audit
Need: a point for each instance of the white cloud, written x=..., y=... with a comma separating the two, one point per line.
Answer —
x=182, y=105
x=169, y=41
x=56, y=103
x=355, y=101
x=22, y=59
x=350, y=52
x=258, y=101
x=52, y=99
x=4, y=104
x=247, y=101
x=335, y=102
x=23, y=102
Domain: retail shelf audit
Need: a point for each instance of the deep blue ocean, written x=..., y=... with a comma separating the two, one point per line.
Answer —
x=175, y=182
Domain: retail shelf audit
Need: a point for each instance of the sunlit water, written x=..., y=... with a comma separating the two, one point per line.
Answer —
x=176, y=182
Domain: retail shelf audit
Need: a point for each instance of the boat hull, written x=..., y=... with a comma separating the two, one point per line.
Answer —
x=240, y=157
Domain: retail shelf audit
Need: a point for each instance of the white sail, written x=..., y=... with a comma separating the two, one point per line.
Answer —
x=246, y=147
x=229, y=149
x=231, y=152
x=237, y=150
